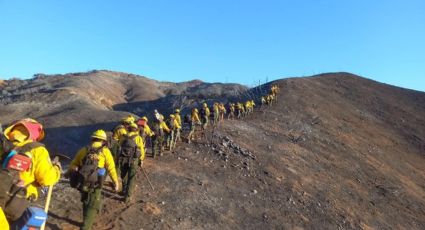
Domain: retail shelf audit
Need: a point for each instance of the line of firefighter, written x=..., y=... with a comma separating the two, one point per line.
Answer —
x=26, y=165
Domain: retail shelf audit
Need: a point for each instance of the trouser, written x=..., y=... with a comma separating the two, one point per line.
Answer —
x=128, y=176
x=92, y=203
x=157, y=146
x=231, y=115
x=192, y=132
x=239, y=114
x=170, y=139
x=204, y=122
x=216, y=118
x=177, y=138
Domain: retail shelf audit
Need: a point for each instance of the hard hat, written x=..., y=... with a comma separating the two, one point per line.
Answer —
x=177, y=110
x=34, y=129
x=161, y=116
x=205, y=104
x=99, y=134
x=141, y=122
x=172, y=115
x=129, y=119
x=195, y=110
x=144, y=118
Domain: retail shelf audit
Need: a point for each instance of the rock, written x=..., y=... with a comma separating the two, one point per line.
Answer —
x=254, y=191
x=197, y=152
x=225, y=144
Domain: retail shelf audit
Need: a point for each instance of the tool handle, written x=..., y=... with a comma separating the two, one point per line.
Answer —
x=146, y=175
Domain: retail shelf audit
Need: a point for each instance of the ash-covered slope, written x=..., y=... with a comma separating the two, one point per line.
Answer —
x=335, y=152
x=72, y=105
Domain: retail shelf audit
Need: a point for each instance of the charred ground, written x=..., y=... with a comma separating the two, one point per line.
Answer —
x=335, y=152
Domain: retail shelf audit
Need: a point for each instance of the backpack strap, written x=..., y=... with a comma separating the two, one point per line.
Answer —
x=22, y=149
x=28, y=147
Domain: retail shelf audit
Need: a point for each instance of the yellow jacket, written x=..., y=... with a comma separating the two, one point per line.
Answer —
x=207, y=111
x=176, y=123
x=139, y=142
x=119, y=131
x=42, y=172
x=3, y=221
x=105, y=161
x=147, y=130
x=216, y=109
x=178, y=119
x=164, y=126
x=195, y=117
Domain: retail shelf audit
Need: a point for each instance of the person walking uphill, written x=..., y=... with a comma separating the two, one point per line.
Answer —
x=26, y=167
x=131, y=152
x=179, y=121
x=174, y=126
x=205, y=112
x=194, y=121
x=159, y=128
x=87, y=172
x=123, y=127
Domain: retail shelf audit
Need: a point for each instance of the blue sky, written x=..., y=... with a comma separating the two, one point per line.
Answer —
x=222, y=40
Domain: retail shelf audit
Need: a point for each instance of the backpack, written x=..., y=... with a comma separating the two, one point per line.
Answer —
x=129, y=150
x=187, y=119
x=87, y=175
x=13, y=199
x=158, y=130
x=110, y=142
x=5, y=145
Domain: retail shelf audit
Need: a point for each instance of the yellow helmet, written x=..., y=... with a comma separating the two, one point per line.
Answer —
x=172, y=115
x=161, y=116
x=128, y=119
x=144, y=118
x=99, y=134
x=205, y=104
x=177, y=110
x=32, y=129
x=195, y=110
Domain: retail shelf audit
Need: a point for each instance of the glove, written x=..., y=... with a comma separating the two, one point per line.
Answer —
x=57, y=164
x=117, y=187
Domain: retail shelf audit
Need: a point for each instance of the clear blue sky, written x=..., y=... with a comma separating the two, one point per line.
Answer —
x=222, y=40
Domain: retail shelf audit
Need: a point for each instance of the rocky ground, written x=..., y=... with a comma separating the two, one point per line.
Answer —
x=336, y=152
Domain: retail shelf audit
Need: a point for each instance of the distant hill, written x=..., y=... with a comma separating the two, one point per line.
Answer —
x=72, y=105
